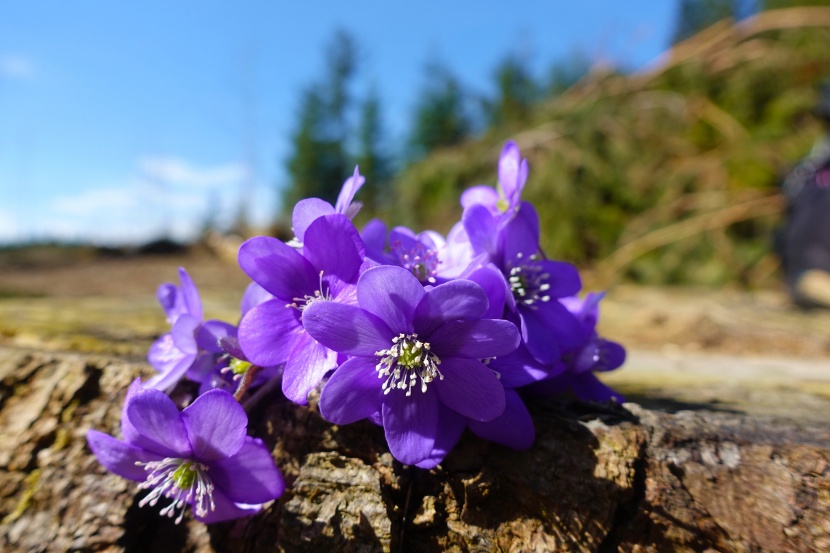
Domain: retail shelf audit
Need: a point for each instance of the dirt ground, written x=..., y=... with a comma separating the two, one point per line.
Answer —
x=688, y=348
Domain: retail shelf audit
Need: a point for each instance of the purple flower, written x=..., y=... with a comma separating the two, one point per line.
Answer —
x=200, y=457
x=307, y=211
x=272, y=333
x=512, y=177
x=192, y=346
x=415, y=356
x=232, y=366
x=593, y=353
x=534, y=283
x=427, y=255
x=515, y=427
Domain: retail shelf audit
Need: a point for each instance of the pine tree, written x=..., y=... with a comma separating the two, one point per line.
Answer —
x=517, y=90
x=695, y=15
x=372, y=156
x=320, y=162
x=441, y=117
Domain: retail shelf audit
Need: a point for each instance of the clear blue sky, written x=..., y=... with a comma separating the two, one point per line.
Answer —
x=119, y=122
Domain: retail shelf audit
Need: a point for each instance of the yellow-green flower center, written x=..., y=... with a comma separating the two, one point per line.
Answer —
x=183, y=481
x=405, y=362
x=184, y=476
x=238, y=366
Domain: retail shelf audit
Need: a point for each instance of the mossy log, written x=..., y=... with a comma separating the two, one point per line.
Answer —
x=599, y=478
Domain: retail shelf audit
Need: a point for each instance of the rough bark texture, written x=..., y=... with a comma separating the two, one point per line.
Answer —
x=599, y=478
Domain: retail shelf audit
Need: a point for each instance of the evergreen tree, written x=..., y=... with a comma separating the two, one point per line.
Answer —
x=695, y=15
x=777, y=4
x=372, y=157
x=517, y=90
x=441, y=116
x=320, y=162
x=567, y=72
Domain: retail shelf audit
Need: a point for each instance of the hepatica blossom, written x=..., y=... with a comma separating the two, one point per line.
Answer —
x=201, y=457
x=192, y=346
x=425, y=336
x=413, y=353
x=326, y=270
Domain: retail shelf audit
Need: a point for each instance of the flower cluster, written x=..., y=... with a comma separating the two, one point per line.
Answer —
x=421, y=334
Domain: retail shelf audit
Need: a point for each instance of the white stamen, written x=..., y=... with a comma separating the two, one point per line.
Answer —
x=408, y=360
x=321, y=293
x=171, y=478
x=529, y=283
x=420, y=261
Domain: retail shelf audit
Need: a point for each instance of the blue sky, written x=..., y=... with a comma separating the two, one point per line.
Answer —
x=120, y=122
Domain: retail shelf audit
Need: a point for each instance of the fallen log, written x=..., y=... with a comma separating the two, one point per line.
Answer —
x=599, y=478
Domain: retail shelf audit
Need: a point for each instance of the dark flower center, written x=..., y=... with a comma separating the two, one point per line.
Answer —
x=419, y=260
x=529, y=282
x=406, y=361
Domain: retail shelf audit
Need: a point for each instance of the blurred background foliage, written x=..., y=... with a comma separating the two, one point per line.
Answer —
x=666, y=175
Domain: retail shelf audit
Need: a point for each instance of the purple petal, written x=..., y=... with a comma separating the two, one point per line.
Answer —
x=353, y=392
x=550, y=329
x=454, y=300
x=484, y=195
x=346, y=328
x=431, y=239
x=519, y=368
x=184, y=333
x=528, y=214
x=376, y=418
x=216, y=425
x=170, y=361
x=231, y=346
x=119, y=457
x=611, y=355
x=520, y=242
x=171, y=301
x=333, y=246
x=457, y=254
x=342, y=292
x=450, y=427
x=278, y=268
x=267, y=333
x=513, y=429
x=587, y=310
x=250, y=476
x=347, y=192
x=253, y=296
x=588, y=387
x=190, y=294
x=128, y=431
x=307, y=365
x=306, y=212
x=391, y=293
x=478, y=339
x=202, y=367
x=373, y=235
x=512, y=172
x=482, y=230
x=158, y=426
x=563, y=280
x=410, y=424
x=495, y=286
x=471, y=389
x=226, y=510
x=211, y=332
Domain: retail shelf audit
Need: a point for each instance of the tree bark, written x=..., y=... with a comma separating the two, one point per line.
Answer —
x=599, y=478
